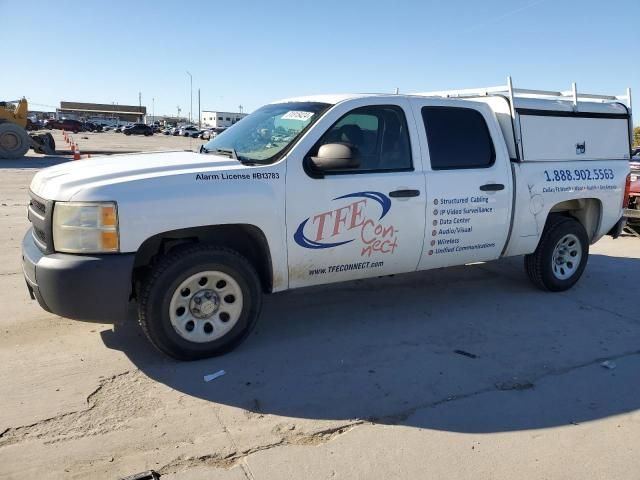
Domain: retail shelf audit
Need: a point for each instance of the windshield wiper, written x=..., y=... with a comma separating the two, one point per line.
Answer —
x=231, y=152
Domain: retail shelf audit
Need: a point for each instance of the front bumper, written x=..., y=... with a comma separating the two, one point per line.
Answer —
x=82, y=287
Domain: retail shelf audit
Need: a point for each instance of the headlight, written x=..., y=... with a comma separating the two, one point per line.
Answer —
x=85, y=227
x=634, y=178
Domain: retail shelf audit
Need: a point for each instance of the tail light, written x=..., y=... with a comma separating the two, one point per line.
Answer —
x=627, y=192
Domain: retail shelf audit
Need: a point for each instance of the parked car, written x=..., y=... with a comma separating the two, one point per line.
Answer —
x=138, y=129
x=317, y=190
x=92, y=127
x=120, y=128
x=189, y=131
x=34, y=124
x=209, y=133
x=65, y=124
x=633, y=208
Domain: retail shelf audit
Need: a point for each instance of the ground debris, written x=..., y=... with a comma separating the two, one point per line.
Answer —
x=514, y=385
x=466, y=354
x=148, y=475
x=610, y=364
x=213, y=376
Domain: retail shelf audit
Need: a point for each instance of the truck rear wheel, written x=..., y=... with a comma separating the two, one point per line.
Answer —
x=200, y=302
x=14, y=141
x=561, y=256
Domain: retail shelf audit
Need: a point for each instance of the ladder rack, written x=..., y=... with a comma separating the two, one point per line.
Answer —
x=512, y=93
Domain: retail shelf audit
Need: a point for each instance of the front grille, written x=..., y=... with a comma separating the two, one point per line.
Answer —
x=38, y=206
x=40, y=212
x=40, y=235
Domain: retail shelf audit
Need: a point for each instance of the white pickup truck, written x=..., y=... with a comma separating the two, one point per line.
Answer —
x=324, y=189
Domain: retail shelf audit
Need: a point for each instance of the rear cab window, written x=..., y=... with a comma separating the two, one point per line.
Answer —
x=458, y=138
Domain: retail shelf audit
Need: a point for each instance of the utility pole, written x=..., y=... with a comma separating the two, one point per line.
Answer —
x=153, y=110
x=191, y=97
x=178, y=117
x=240, y=108
x=199, y=113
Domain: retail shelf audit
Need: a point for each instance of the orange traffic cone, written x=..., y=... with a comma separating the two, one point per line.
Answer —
x=76, y=153
x=73, y=147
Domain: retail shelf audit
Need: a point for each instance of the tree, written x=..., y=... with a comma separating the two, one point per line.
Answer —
x=636, y=136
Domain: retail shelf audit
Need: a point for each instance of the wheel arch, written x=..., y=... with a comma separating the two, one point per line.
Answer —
x=248, y=240
x=587, y=211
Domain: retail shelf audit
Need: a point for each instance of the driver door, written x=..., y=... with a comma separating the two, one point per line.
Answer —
x=363, y=220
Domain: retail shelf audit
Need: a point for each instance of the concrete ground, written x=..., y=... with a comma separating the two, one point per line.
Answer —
x=111, y=142
x=465, y=373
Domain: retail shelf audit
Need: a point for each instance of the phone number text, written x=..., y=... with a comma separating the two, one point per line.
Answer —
x=579, y=174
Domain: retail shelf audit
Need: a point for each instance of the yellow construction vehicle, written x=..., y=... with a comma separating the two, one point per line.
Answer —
x=14, y=139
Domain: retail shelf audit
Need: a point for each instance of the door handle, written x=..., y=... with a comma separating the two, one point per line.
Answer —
x=492, y=187
x=404, y=193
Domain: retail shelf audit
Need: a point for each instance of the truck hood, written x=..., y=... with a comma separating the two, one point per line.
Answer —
x=63, y=181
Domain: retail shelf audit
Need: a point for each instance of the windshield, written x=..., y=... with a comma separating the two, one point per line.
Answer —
x=263, y=135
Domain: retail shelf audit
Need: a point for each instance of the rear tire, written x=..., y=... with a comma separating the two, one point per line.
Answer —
x=199, y=302
x=561, y=256
x=14, y=141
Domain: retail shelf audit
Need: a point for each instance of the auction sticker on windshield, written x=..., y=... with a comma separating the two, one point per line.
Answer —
x=297, y=115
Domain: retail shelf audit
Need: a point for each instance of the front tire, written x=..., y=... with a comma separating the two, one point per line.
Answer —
x=200, y=302
x=561, y=256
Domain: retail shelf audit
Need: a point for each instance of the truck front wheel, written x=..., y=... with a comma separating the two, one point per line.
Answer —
x=561, y=256
x=199, y=302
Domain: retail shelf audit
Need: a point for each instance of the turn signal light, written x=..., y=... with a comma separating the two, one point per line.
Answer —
x=109, y=216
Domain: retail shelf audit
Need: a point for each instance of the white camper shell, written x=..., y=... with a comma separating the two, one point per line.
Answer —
x=537, y=123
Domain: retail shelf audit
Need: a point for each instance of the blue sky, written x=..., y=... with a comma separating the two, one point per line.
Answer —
x=250, y=52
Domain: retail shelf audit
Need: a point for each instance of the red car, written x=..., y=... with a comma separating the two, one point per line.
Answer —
x=67, y=124
x=633, y=211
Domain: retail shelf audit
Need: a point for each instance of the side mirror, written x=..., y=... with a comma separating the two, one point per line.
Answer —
x=335, y=156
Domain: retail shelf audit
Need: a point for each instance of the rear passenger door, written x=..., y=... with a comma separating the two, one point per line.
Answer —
x=469, y=183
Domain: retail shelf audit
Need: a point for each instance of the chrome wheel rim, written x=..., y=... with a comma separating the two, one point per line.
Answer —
x=205, y=306
x=566, y=257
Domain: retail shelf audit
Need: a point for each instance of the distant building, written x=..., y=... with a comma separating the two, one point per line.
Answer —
x=101, y=111
x=210, y=118
x=167, y=120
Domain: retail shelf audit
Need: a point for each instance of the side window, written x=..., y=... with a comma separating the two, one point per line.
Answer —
x=458, y=138
x=377, y=135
